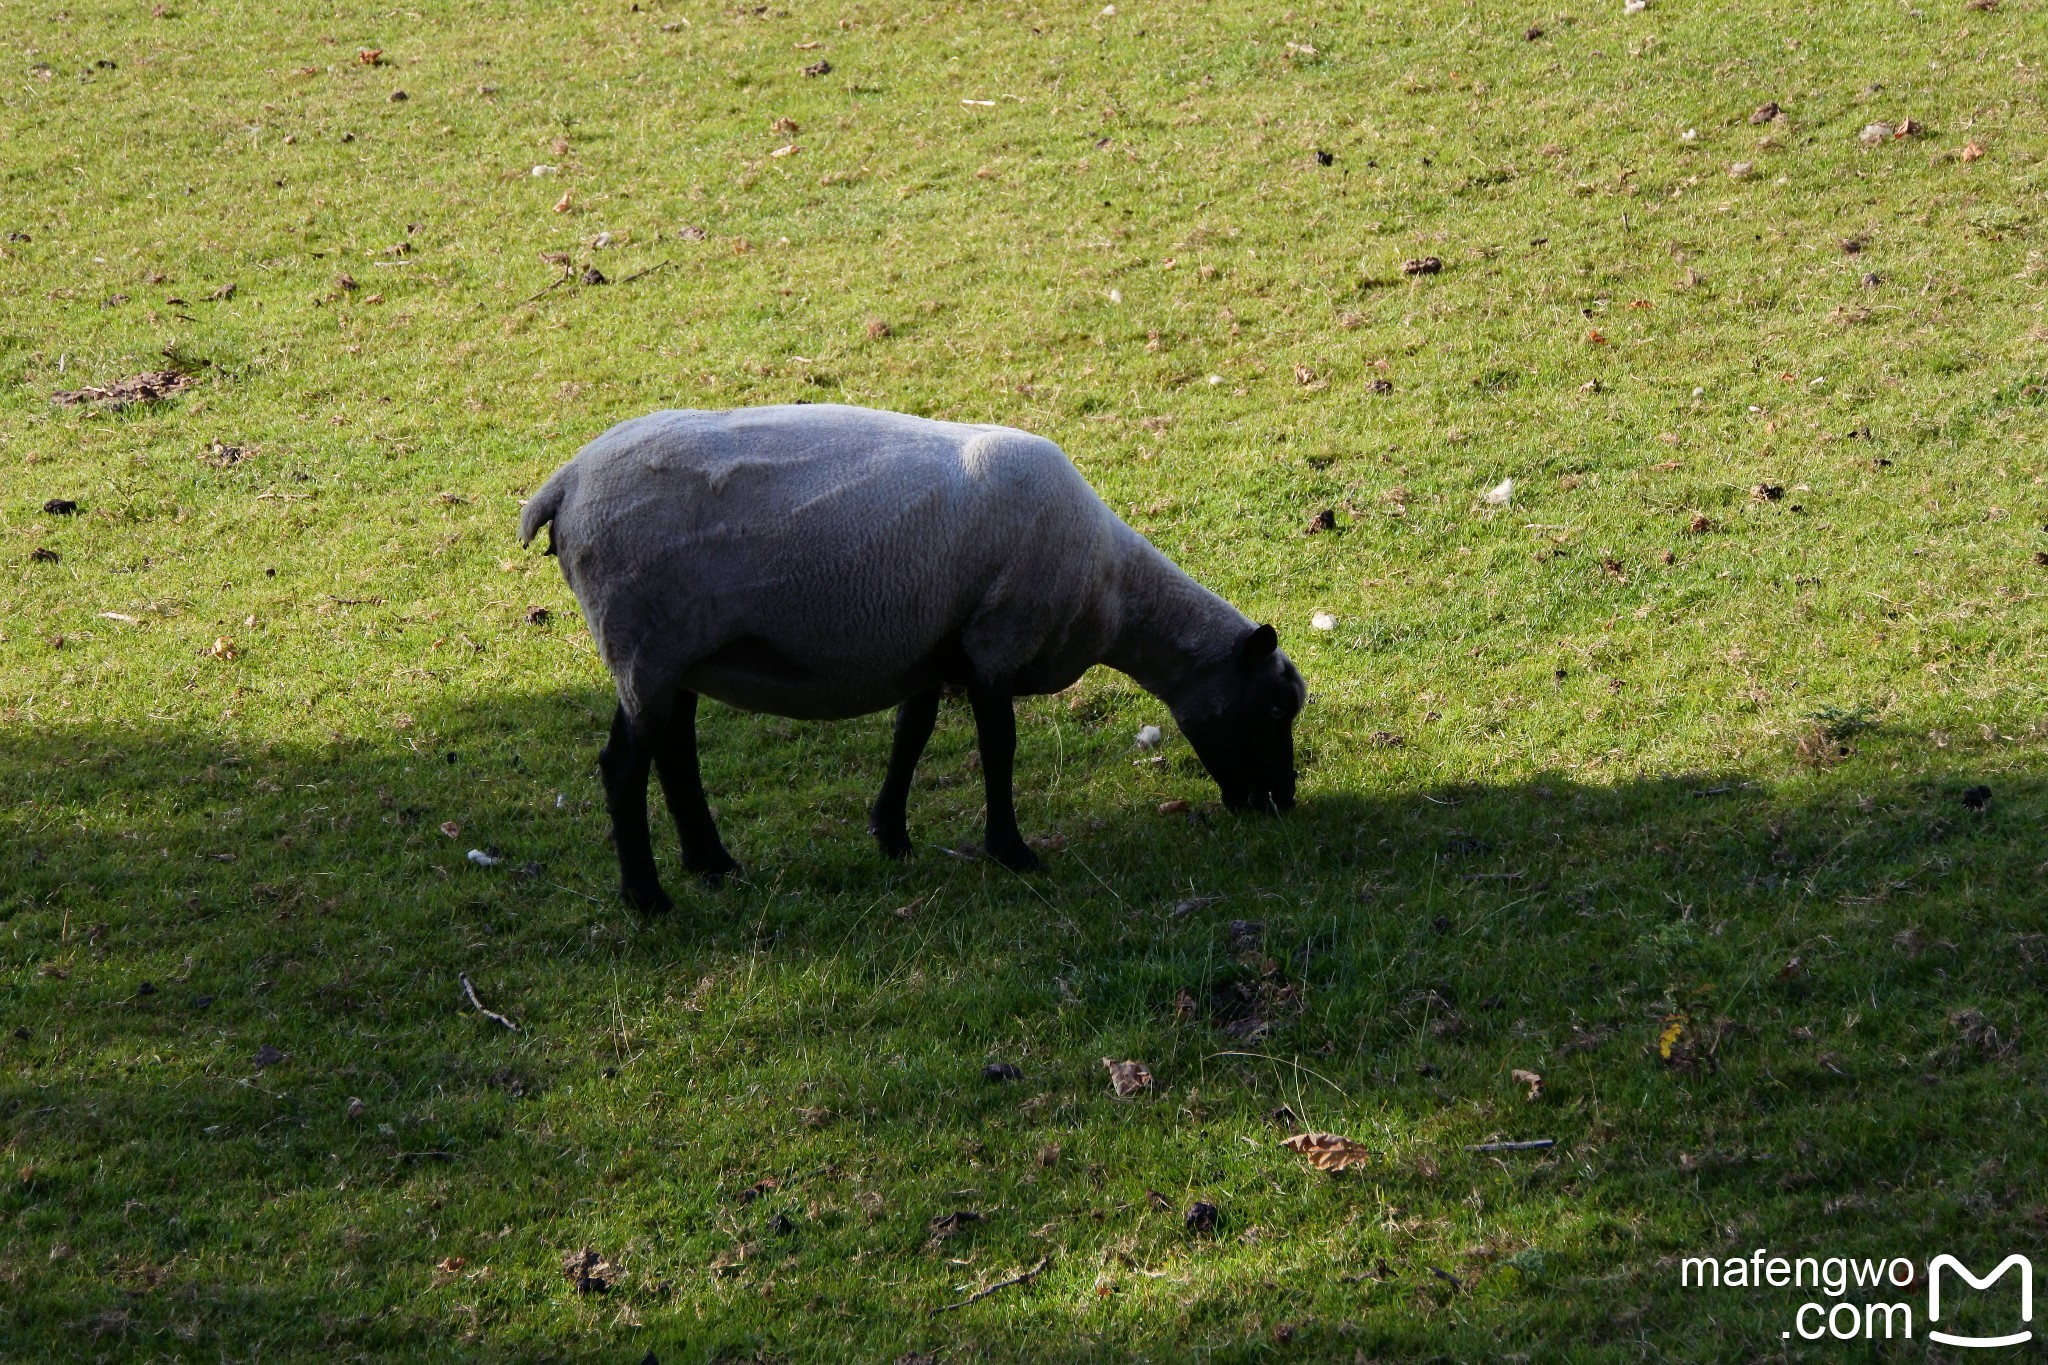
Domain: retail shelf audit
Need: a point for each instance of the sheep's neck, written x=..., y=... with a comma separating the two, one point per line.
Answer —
x=1170, y=626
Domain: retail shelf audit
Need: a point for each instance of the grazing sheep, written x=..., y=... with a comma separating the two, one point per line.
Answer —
x=820, y=561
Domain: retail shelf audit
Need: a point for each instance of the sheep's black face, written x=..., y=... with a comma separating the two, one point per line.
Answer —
x=1241, y=724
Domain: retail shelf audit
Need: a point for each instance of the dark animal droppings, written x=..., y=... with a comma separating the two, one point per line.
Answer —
x=1001, y=1071
x=60, y=507
x=1977, y=798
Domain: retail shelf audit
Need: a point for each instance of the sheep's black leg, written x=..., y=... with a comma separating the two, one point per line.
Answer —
x=675, y=758
x=995, y=725
x=887, y=818
x=624, y=762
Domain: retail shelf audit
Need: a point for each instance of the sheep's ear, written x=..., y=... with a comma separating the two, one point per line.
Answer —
x=1257, y=646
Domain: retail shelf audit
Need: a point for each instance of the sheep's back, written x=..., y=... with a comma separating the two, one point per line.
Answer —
x=848, y=542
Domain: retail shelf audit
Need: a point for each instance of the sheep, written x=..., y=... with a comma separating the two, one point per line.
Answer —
x=820, y=562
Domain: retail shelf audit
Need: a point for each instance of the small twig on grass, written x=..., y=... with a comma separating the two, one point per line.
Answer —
x=638, y=273
x=980, y=1294
x=564, y=279
x=470, y=991
x=1533, y=1145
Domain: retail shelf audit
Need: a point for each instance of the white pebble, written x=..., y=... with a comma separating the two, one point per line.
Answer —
x=1699, y=393
x=1116, y=296
x=481, y=858
x=1150, y=737
x=1214, y=380
x=1322, y=620
x=543, y=170
x=1500, y=495
x=1109, y=11
x=1689, y=135
x=602, y=240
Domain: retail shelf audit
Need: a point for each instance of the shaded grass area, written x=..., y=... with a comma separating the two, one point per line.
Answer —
x=757, y=1107
x=1652, y=759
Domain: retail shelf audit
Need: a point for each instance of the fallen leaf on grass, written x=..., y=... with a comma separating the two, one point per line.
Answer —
x=821, y=67
x=1127, y=1078
x=1201, y=1217
x=1971, y=151
x=1422, y=265
x=589, y=1272
x=223, y=649
x=370, y=56
x=1765, y=113
x=1175, y=807
x=268, y=1056
x=43, y=554
x=1328, y=1151
x=1533, y=1080
x=947, y=1224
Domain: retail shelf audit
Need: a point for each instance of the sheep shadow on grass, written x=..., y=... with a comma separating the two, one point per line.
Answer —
x=245, y=1099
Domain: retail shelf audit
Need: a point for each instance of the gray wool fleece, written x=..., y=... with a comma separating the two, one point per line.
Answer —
x=819, y=561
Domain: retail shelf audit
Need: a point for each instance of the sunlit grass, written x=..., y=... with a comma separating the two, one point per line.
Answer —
x=1574, y=771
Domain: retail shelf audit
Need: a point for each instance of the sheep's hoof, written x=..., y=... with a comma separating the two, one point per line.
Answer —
x=894, y=844
x=1016, y=856
x=713, y=871
x=648, y=900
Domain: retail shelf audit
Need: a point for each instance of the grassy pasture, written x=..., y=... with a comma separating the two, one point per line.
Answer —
x=1648, y=759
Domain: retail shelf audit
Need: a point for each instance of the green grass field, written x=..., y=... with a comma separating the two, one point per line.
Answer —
x=1652, y=760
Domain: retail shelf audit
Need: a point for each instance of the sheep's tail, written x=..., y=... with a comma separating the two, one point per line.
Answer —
x=540, y=509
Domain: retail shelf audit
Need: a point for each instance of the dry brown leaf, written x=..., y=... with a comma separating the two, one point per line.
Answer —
x=1533, y=1080
x=589, y=1272
x=1327, y=1151
x=1971, y=151
x=1127, y=1078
